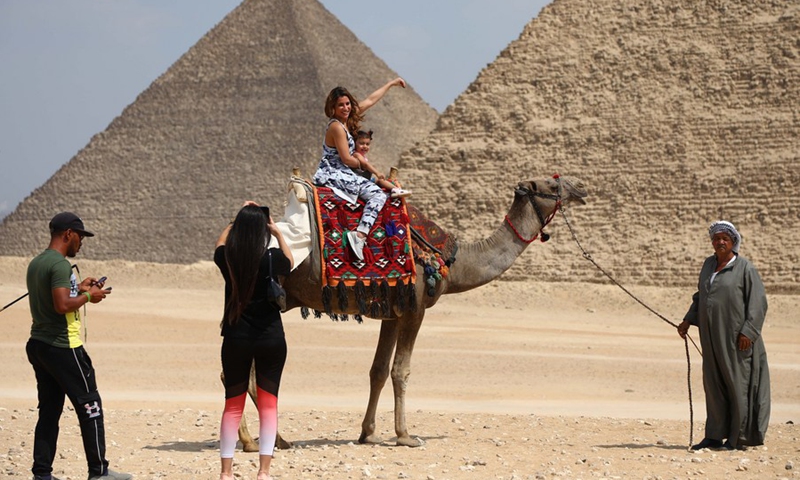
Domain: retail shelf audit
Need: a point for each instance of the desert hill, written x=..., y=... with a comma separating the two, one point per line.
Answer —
x=225, y=123
x=674, y=114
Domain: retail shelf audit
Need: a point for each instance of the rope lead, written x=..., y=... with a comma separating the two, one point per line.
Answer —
x=588, y=256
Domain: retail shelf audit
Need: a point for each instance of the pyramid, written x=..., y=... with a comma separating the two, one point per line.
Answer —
x=225, y=123
x=674, y=114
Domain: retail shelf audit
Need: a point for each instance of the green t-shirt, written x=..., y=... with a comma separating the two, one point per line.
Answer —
x=47, y=271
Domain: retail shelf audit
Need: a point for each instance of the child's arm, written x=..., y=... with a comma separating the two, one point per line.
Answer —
x=364, y=164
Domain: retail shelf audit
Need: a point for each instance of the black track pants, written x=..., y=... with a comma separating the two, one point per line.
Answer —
x=60, y=372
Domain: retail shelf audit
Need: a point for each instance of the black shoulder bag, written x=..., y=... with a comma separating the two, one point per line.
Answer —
x=275, y=293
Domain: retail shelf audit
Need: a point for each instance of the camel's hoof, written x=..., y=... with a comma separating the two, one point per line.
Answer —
x=250, y=447
x=409, y=442
x=282, y=444
x=372, y=439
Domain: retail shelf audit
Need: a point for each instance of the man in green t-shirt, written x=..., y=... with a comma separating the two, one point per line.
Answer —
x=61, y=364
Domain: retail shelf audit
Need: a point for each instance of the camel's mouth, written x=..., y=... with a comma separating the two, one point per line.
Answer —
x=575, y=188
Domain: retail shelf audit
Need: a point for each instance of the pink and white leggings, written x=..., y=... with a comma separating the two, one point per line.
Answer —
x=238, y=355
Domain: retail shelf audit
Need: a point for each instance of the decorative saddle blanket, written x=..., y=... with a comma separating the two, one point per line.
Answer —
x=387, y=253
x=430, y=237
x=434, y=249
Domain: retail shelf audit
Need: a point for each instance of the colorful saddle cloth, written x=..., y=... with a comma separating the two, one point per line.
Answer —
x=387, y=255
x=429, y=237
x=434, y=249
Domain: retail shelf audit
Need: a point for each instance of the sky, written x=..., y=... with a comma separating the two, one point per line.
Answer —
x=68, y=68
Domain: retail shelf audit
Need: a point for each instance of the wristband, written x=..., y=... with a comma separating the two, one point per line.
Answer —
x=88, y=295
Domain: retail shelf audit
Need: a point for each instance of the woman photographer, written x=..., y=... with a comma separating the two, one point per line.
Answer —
x=251, y=328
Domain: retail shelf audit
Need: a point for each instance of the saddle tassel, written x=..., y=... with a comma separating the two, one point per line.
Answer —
x=375, y=309
x=385, y=297
x=341, y=291
x=412, y=296
x=327, y=295
x=361, y=297
x=400, y=296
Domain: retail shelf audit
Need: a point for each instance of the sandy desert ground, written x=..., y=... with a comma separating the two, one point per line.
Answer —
x=509, y=381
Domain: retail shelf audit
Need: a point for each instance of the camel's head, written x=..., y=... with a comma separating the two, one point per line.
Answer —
x=557, y=188
x=547, y=196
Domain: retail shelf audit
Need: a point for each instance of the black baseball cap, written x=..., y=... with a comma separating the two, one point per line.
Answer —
x=68, y=221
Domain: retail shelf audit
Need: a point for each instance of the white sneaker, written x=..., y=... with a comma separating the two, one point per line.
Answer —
x=398, y=192
x=357, y=244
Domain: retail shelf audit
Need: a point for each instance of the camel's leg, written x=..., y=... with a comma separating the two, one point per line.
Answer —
x=248, y=444
x=407, y=330
x=377, y=379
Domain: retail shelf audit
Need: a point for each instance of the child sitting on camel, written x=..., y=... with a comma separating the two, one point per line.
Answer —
x=363, y=143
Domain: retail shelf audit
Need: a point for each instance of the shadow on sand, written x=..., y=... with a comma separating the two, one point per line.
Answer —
x=634, y=446
x=179, y=446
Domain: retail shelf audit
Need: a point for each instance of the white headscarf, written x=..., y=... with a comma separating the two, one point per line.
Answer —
x=726, y=227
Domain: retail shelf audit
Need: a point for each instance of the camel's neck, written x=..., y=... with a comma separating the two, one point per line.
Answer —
x=481, y=262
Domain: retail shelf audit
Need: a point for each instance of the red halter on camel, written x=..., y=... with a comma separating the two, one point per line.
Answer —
x=531, y=194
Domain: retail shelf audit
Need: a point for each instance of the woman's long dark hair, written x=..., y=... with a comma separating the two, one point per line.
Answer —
x=245, y=246
x=355, y=118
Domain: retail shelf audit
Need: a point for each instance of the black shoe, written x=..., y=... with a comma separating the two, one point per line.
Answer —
x=727, y=446
x=48, y=477
x=707, y=443
x=112, y=475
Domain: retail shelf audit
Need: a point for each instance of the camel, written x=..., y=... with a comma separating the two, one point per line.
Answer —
x=535, y=203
